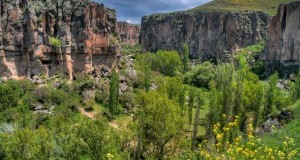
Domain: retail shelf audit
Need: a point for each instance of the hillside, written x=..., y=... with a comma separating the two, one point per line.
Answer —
x=269, y=6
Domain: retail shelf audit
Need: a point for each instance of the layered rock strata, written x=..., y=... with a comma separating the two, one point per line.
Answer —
x=129, y=33
x=84, y=32
x=283, y=42
x=209, y=34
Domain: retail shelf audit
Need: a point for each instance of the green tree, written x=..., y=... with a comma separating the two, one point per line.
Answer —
x=185, y=57
x=252, y=98
x=271, y=95
x=191, y=102
x=159, y=123
x=199, y=103
x=147, y=77
x=113, y=93
x=201, y=75
x=213, y=116
x=182, y=100
x=166, y=62
x=9, y=96
x=100, y=140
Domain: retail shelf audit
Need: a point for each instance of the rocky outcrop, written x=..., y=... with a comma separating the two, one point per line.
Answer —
x=209, y=34
x=85, y=29
x=283, y=42
x=129, y=33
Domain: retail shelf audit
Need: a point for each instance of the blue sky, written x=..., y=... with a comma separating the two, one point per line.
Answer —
x=133, y=10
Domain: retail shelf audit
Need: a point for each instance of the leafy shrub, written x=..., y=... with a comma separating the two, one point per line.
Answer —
x=55, y=42
x=101, y=97
x=166, y=62
x=130, y=49
x=201, y=75
x=125, y=98
x=9, y=96
x=247, y=147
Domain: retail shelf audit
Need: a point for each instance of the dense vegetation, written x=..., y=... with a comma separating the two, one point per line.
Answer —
x=269, y=6
x=175, y=111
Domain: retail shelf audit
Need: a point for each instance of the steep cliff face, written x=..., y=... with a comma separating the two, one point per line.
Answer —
x=86, y=31
x=283, y=42
x=129, y=34
x=209, y=34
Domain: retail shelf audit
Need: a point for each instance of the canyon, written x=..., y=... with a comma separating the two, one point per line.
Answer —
x=90, y=37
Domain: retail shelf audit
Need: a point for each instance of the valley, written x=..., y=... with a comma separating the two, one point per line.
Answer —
x=219, y=81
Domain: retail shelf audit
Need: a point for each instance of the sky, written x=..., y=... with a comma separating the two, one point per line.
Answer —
x=133, y=10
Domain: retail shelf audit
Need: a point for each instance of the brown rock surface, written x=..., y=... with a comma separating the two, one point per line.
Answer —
x=209, y=34
x=86, y=30
x=129, y=33
x=283, y=42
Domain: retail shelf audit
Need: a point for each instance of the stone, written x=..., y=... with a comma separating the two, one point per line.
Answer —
x=283, y=41
x=129, y=33
x=88, y=94
x=282, y=46
x=270, y=124
x=85, y=29
x=210, y=35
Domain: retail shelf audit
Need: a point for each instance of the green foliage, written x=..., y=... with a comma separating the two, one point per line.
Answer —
x=159, y=123
x=114, y=93
x=55, y=42
x=191, y=103
x=130, y=49
x=253, y=92
x=235, y=93
x=101, y=97
x=87, y=140
x=271, y=95
x=182, y=100
x=166, y=62
x=8, y=97
x=11, y=92
x=185, y=58
x=201, y=75
x=147, y=77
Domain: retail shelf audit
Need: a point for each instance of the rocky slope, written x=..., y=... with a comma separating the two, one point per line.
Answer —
x=209, y=34
x=283, y=42
x=129, y=33
x=87, y=31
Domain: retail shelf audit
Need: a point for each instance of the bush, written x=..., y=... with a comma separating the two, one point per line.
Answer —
x=165, y=62
x=244, y=147
x=55, y=42
x=8, y=97
x=130, y=49
x=201, y=75
x=101, y=97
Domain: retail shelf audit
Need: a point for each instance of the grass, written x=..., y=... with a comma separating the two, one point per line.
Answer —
x=268, y=6
x=291, y=130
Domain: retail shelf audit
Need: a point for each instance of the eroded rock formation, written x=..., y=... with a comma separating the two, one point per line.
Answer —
x=283, y=42
x=86, y=31
x=209, y=34
x=129, y=33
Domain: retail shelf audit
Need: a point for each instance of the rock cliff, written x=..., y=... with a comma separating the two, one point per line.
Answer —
x=86, y=31
x=129, y=33
x=283, y=42
x=209, y=34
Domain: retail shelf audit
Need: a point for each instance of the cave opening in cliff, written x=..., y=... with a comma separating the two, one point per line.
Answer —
x=46, y=62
